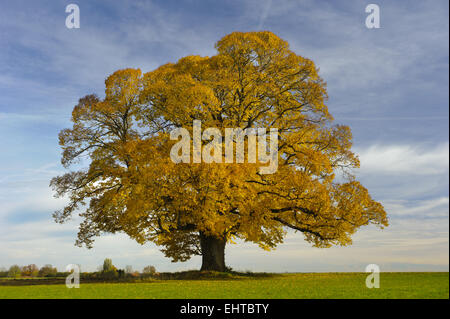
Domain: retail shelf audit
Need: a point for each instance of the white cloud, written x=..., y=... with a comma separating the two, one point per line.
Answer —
x=429, y=208
x=405, y=159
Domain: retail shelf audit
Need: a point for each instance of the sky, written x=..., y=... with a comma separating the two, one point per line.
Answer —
x=389, y=84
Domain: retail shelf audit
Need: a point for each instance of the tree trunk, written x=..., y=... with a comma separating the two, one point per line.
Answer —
x=213, y=252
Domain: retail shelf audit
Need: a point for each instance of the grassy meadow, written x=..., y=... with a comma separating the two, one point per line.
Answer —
x=267, y=286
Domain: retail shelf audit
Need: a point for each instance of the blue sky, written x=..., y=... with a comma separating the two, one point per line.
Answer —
x=389, y=84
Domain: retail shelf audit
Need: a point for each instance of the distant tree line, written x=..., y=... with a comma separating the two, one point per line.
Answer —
x=106, y=271
x=16, y=271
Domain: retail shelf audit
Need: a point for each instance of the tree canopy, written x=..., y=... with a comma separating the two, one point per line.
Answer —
x=130, y=184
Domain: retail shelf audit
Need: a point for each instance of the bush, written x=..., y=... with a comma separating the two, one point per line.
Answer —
x=107, y=265
x=129, y=269
x=91, y=275
x=149, y=270
x=47, y=271
x=109, y=270
x=110, y=274
x=30, y=271
x=14, y=271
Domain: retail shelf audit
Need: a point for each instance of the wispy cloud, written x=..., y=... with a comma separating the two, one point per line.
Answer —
x=265, y=12
x=405, y=159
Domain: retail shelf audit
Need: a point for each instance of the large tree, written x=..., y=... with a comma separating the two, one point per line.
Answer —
x=131, y=185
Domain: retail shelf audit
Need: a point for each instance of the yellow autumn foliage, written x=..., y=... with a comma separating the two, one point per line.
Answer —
x=130, y=184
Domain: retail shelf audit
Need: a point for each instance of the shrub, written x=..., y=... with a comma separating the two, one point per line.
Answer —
x=110, y=274
x=3, y=272
x=30, y=270
x=149, y=270
x=14, y=271
x=109, y=270
x=128, y=269
x=107, y=265
x=47, y=271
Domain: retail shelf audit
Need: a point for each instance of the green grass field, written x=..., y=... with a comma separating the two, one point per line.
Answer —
x=277, y=286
